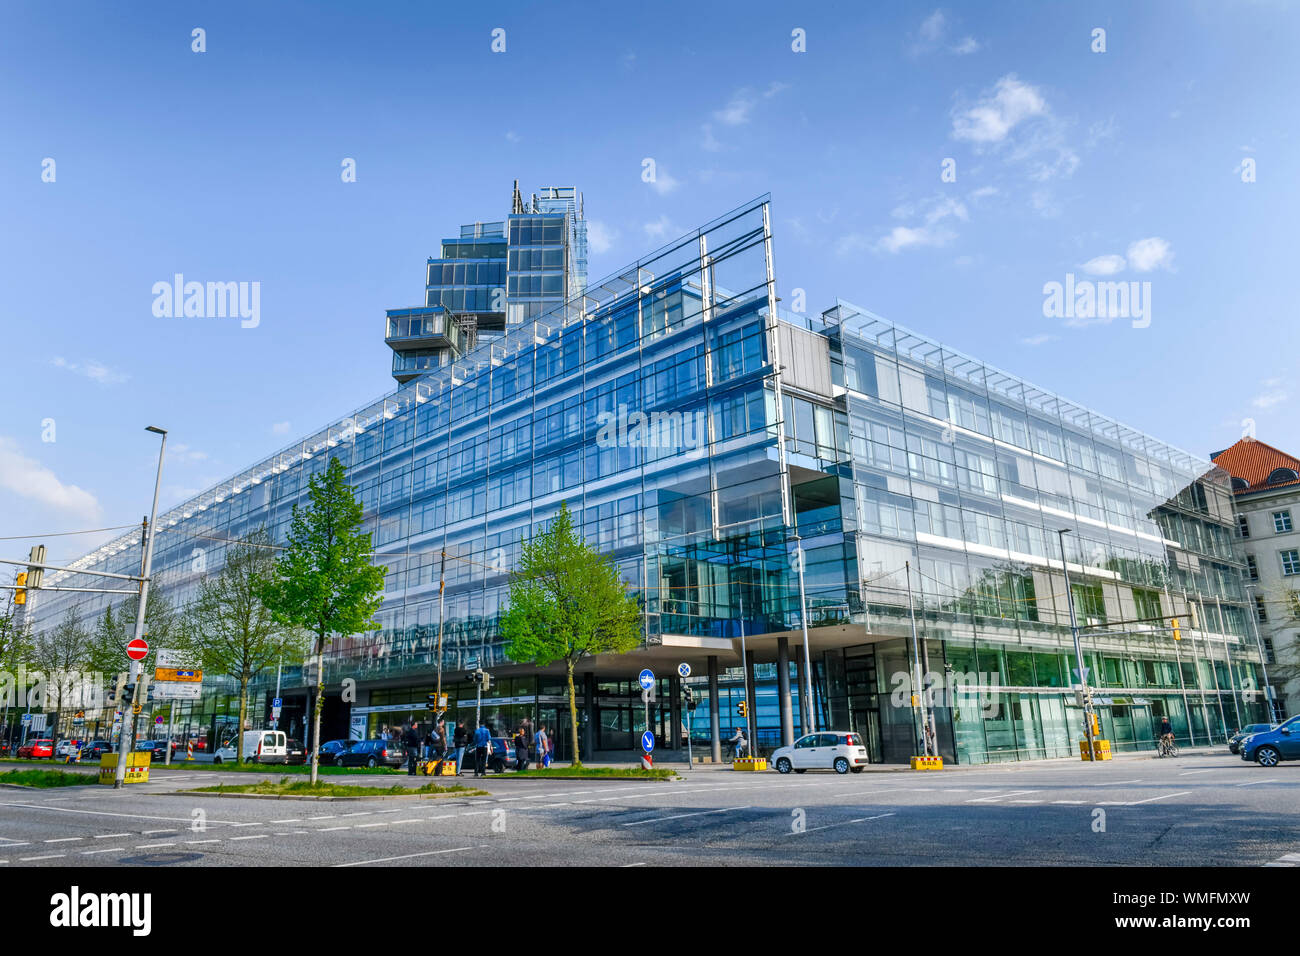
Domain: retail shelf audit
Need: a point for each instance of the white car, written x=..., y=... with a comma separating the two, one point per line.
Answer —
x=838, y=750
x=260, y=746
x=66, y=749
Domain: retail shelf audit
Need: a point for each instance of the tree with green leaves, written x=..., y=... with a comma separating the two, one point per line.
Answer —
x=567, y=602
x=62, y=654
x=324, y=581
x=15, y=650
x=231, y=630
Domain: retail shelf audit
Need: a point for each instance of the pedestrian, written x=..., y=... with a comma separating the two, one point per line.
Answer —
x=459, y=740
x=411, y=739
x=542, y=746
x=428, y=744
x=738, y=739
x=482, y=741
x=521, y=750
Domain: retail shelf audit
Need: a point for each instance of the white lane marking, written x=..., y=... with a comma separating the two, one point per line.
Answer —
x=328, y=816
x=827, y=826
x=294, y=820
x=109, y=836
x=1000, y=796
x=626, y=865
x=51, y=856
x=1112, y=783
x=255, y=836
x=1252, y=783
x=1188, y=773
x=682, y=816
x=1072, y=802
x=152, y=832
x=64, y=839
x=362, y=826
x=1024, y=801
x=409, y=856
x=332, y=829
x=112, y=849
x=24, y=843
x=1134, y=803
x=197, y=842
x=153, y=846
x=107, y=813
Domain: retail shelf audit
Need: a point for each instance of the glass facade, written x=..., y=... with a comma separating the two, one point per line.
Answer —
x=704, y=440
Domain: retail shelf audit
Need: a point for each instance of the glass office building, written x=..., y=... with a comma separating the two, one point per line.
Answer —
x=713, y=446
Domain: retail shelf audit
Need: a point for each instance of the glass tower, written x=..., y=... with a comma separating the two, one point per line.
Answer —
x=705, y=440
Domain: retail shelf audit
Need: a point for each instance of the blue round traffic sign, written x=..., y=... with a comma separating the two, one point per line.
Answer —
x=684, y=669
x=648, y=742
x=647, y=679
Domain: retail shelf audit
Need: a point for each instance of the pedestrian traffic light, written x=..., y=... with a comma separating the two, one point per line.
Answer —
x=742, y=708
x=20, y=588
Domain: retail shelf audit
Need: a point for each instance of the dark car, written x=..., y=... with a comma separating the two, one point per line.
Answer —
x=96, y=749
x=1234, y=742
x=158, y=749
x=297, y=753
x=330, y=750
x=371, y=753
x=500, y=757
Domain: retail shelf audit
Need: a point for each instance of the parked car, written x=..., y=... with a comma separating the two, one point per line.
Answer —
x=500, y=757
x=332, y=748
x=1234, y=742
x=371, y=753
x=67, y=748
x=157, y=749
x=295, y=752
x=36, y=749
x=260, y=746
x=96, y=749
x=838, y=750
x=1274, y=745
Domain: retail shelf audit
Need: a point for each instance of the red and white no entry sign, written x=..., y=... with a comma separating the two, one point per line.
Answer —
x=137, y=650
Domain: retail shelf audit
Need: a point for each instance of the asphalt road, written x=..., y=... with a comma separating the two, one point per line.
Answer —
x=1201, y=809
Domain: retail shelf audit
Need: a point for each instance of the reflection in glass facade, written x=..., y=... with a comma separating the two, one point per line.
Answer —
x=700, y=437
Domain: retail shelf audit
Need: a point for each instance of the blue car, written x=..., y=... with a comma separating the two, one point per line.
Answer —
x=1272, y=746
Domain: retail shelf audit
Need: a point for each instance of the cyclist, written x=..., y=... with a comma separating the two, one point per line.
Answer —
x=1166, y=733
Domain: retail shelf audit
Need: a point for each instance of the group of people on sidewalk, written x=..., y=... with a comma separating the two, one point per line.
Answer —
x=529, y=745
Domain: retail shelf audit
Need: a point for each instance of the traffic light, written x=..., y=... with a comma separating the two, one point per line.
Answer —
x=1178, y=634
x=34, y=570
x=431, y=702
x=20, y=588
x=688, y=696
x=742, y=708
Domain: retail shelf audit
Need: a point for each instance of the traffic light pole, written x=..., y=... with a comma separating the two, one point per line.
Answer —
x=124, y=751
x=1078, y=649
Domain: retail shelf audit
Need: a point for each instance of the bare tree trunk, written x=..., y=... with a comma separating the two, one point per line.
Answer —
x=320, y=703
x=243, y=719
x=573, y=717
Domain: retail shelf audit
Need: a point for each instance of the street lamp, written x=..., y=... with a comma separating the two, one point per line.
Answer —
x=1078, y=651
x=127, y=741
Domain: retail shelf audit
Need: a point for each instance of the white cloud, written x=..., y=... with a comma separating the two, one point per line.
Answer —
x=1009, y=104
x=1148, y=254
x=664, y=181
x=1106, y=265
x=512, y=136
x=281, y=428
x=904, y=237
x=709, y=141
x=600, y=237
x=1273, y=394
x=93, y=370
x=661, y=229
x=739, y=108
x=182, y=453
x=933, y=26
x=966, y=45
x=1035, y=340
x=28, y=478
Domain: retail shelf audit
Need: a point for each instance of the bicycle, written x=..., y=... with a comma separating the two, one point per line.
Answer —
x=1166, y=747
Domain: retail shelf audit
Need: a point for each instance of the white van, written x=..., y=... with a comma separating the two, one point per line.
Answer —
x=260, y=746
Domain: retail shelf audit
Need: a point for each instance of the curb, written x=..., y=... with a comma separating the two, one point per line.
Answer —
x=304, y=796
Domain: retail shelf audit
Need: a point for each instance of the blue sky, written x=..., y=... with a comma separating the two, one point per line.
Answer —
x=225, y=166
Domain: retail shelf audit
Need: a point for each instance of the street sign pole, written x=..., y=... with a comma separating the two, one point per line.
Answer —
x=119, y=778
